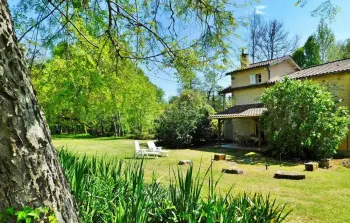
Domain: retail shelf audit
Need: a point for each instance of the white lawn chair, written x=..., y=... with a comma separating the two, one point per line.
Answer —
x=154, y=148
x=144, y=152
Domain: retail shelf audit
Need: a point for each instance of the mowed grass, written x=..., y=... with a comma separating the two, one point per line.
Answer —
x=323, y=197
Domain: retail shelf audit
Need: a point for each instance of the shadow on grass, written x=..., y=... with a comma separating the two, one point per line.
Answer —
x=85, y=136
x=73, y=136
x=246, y=157
x=141, y=158
x=110, y=138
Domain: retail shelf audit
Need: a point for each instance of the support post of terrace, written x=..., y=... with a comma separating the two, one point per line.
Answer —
x=219, y=132
x=259, y=131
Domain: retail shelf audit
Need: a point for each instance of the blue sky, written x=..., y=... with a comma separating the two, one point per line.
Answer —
x=297, y=20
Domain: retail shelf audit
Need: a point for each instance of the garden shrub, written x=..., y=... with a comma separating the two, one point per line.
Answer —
x=303, y=120
x=186, y=121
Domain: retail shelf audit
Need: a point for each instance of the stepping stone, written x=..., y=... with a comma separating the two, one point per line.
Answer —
x=232, y=171
x=325, y=163
x=311, y=166
x=289, y=175
x=219, y=156
x=184, y=162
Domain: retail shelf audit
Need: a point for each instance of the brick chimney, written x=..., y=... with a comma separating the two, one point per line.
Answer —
x=244, y=60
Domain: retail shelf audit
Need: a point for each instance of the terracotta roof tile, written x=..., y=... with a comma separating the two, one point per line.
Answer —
x=261, y=64
x=327, y=68
x=247, y=110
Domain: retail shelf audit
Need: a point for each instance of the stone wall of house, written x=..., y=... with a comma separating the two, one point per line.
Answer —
x=339, y=85
x=238, y=126
x=228, y=130
x=242, y=78
x=282, y=69
x=243, y=126
x=248, y=95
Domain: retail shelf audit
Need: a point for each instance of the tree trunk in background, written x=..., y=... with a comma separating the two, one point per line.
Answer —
x=102, y=128
x=119, y=125
x=115, y=126
x=85, y=129
x=30, y=174
x=213, y=101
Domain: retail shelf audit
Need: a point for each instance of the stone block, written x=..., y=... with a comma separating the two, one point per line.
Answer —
x=232, y=171
x=311, y=166
x=219, y=157
x=325, y=163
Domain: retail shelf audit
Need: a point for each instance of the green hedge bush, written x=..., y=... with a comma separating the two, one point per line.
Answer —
x=186, y=122
x=303, y=120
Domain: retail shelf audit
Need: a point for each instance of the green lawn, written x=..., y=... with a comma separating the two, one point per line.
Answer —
x=323, y=197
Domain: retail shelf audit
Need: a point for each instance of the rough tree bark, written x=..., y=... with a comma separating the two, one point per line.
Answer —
x=29, y=170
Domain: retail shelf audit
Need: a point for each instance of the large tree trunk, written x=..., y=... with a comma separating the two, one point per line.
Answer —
x=30, y=174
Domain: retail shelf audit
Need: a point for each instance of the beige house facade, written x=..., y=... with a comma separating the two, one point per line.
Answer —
x=249, y=83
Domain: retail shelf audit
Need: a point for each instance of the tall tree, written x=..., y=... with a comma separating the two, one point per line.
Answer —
x=30, y=174
x=211, y=88
x=325, y=39
x=345, y=49
x=340, y=50
x=299, y=57
x=255, y=34
x=79, y=95
x=312, y=52
x=276, y=41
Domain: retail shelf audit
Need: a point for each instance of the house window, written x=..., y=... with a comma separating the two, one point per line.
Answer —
x=255, y=78
x=252, y=79
x=258, y=78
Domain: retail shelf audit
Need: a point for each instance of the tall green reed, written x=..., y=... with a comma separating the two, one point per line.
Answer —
x=113, y=190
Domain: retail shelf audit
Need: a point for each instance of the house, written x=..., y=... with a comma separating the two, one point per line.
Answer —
x=250, y=81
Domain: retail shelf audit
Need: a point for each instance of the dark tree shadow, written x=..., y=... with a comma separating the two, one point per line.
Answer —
x=73, y=136
x=110, y=138
x=85, y=136
x=247, y=157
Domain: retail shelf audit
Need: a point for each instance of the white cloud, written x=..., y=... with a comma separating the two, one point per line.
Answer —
x=259, y=9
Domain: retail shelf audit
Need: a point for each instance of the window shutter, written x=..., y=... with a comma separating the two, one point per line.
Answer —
x=252, y=79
